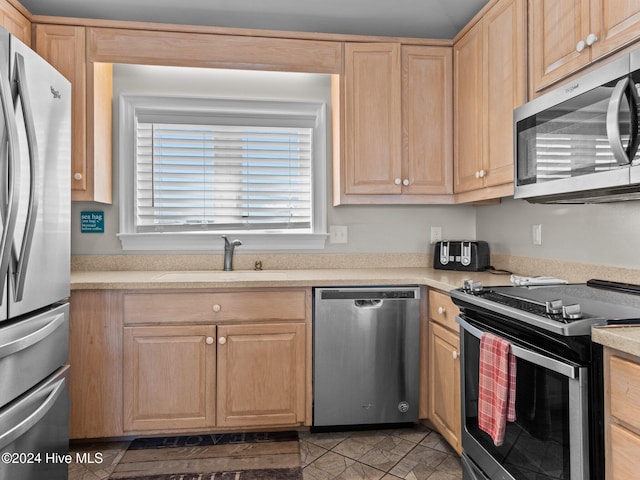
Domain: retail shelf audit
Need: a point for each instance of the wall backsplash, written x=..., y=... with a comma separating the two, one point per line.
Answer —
x=606, y=234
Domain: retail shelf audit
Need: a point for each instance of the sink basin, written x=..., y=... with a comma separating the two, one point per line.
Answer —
x=221, y=276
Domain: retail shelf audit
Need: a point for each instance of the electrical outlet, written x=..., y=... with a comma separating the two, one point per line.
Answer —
x=338, y=234
x=436, y=234
x=536, y=234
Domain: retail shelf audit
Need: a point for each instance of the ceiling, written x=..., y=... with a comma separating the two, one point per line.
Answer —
x=438, y=19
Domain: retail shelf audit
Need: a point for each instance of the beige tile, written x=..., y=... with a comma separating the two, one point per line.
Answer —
x=311, y=472
x=79, y=472
x=332, y=464
x=415, y=434
x=325, y=440
x=359, y=471
x=310, y=452
x=352, y=448
x=434, y=440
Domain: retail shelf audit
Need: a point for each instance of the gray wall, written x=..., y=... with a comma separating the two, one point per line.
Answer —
x=371, y=229
x=606, y=234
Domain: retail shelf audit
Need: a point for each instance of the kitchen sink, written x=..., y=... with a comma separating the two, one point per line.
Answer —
x=221, y=276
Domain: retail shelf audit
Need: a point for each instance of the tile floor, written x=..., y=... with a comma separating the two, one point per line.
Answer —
x=415, y=453
x=408, y=453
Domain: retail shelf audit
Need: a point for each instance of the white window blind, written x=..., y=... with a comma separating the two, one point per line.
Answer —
x=223, y=177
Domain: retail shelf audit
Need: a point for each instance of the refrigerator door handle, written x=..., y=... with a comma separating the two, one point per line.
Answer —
x=21, y=260
x=32, y=338
x=9, y=210
x=14, y=432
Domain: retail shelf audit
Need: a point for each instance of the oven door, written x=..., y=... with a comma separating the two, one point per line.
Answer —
x=549, y=439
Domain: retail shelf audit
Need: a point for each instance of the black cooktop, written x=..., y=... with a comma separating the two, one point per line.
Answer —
x=563, y=309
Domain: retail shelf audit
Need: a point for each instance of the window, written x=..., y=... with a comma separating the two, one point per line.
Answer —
x=193, y=169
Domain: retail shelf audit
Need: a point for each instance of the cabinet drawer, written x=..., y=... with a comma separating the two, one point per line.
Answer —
x=208, y=307
x=625, y=390
x=625, y=450
x=442, y=310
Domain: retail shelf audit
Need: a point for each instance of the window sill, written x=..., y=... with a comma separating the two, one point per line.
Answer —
x=210, y=241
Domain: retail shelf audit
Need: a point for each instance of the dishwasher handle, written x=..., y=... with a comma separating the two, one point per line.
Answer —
x=361, y=303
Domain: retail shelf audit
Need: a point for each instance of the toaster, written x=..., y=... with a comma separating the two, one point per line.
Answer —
x=468, y=256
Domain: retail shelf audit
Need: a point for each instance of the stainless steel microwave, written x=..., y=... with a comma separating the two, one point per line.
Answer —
x=579, y=143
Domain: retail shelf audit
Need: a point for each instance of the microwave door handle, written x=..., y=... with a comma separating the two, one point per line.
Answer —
x=634, y=110
x=613, y=126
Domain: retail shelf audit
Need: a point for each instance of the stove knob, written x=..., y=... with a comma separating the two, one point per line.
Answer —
x=554, y=307
x=471, y=286
x=571, y=312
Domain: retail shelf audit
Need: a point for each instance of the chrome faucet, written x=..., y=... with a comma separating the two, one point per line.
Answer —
x=229, y=248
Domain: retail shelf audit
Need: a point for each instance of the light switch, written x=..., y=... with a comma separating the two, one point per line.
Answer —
x=338, y=234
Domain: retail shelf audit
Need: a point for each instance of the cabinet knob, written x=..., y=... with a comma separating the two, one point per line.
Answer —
x=222, y=340
x=478, y=174
x=209, y=340
x=217, y=308
x=455, y=355
x=77, y=176
x=397, y=181
x=590, y=40
x=405, y=182
x=441, y=310
x=483, y=173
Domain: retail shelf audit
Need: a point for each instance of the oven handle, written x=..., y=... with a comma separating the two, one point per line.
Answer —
x=565, y=369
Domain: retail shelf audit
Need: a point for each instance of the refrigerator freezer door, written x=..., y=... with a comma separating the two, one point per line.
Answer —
x=39, y=273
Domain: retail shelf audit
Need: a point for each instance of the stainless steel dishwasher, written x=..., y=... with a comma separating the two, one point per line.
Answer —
x=366, y=350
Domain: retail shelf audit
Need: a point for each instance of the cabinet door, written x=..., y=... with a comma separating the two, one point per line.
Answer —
x=468, y=113
x=555, y=28
x=427, y=123
x=15, y=22
x=169, y=377
x=505, y=70
x=372, y=130
x=64, y=48
x=95, y=356
x=616, y=23
x=444, y=375
x=261, y=374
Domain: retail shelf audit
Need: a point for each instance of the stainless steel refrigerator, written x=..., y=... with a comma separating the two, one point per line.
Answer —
x=35, y=205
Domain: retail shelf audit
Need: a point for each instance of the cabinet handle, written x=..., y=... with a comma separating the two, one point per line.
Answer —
x=455, y=355
x=209, y=340
x=222, y=340
x=441, y=310
x=217, y=308
x=405, y=182
x=397, y=181
x=77, y=176
x=590, y=40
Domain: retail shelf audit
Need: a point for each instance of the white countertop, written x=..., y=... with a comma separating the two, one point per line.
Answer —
x=623, y=338
x=130, y=280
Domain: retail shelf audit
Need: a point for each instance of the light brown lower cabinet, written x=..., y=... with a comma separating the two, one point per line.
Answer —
x=185, y=377
x=444, y=370
x=261, y=374
x=169, y=377
x=444, y=405
x=622, y=422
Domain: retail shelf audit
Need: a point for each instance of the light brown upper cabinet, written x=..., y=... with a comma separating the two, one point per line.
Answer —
x=15, y=22
x=568, y=35
x=393, y=124
x=489, y=82
x=91, y=88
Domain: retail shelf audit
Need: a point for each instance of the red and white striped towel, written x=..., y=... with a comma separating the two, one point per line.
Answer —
x=497, y=388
